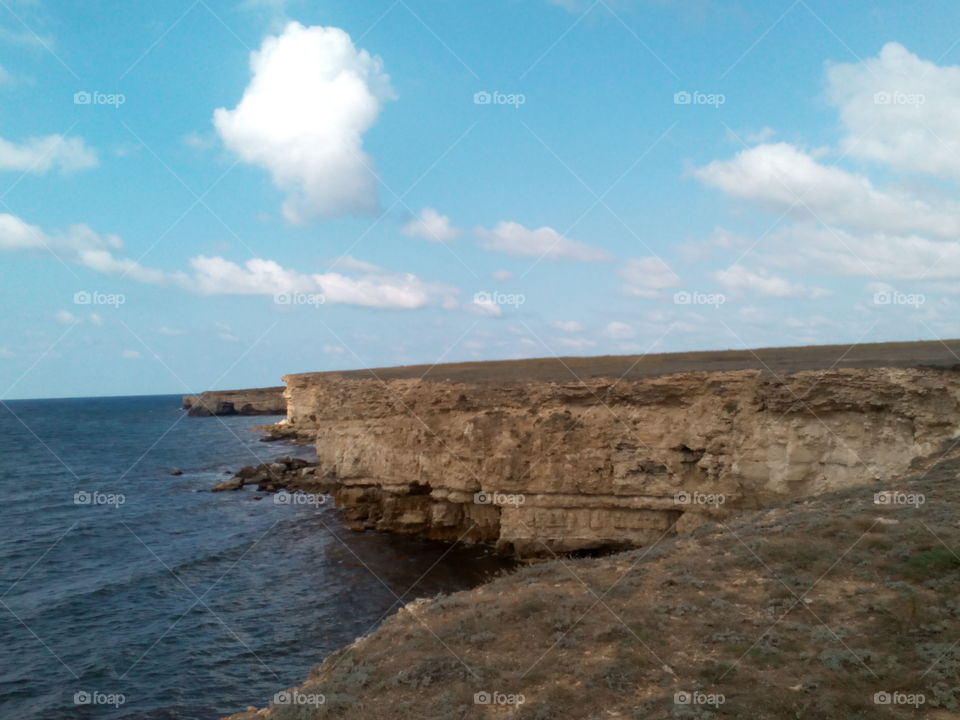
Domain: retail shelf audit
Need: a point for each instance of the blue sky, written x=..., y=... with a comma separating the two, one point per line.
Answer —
x=209, y=194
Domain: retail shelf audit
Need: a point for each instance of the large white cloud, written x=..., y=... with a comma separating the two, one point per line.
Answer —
x=900, y=110
x=302, y=117
x=513, y=238
x=40, y=155
x=785, y=179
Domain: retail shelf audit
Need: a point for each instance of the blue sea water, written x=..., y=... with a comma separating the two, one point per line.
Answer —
x=127, y=592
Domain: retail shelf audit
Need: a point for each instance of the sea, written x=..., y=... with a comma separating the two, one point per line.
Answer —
x=128, y=591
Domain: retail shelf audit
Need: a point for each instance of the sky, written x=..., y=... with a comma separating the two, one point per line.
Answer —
x=208, y=194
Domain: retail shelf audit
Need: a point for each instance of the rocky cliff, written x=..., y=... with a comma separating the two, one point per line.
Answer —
x=256, y=401
x=538, y=465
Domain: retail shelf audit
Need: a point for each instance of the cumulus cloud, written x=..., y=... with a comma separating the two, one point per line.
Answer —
x=900, y=110
x=312, y=97
x=571, y=326
x=513, y=238
x=377, y=288
x=785, y=179
x=64, y=317
x=40, y=155
x=431, y=225
x=738, y=279
x=647, y=276
x=369, y=286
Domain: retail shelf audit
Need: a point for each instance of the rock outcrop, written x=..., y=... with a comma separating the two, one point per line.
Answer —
x=537, y=467
x=256, y=401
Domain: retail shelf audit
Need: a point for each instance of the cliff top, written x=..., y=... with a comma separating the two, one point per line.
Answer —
x=781, y=360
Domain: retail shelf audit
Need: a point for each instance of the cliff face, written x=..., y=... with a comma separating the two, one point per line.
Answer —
x=256, y=401
x=541, y=467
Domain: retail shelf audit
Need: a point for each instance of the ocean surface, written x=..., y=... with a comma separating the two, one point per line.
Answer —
x=127, y=592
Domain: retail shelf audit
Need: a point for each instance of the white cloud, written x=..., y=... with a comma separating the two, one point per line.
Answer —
x=302, y=117
x=41, y=154
x=164, y=330
x=96, y=319
x=784, y=179
x=618, y=330
x=131, y=355
x=483, y=305
x=738, y=278
x=900, y=110
x=647, y=276
x=502, y=275
x=515, y=239
x=379, y=289
x=431, y=225
x=571, y=326
x=65, y=317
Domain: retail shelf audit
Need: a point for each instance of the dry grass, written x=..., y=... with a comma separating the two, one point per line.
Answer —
x=804, y=611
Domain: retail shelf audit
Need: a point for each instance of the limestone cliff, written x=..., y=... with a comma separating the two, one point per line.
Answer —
x=256, y=401
x=541, y=466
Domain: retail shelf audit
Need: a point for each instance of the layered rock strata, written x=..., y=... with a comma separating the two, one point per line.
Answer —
x=541, y=467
